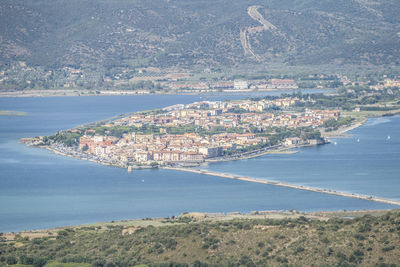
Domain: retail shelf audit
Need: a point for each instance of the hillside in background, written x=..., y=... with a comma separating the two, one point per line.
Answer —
x=206, y=33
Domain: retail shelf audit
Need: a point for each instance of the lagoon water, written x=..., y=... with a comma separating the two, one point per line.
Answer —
x=366, y=162
x=39, y=189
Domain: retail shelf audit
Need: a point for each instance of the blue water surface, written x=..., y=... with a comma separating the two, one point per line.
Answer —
x=39, y=189
x=366, y=162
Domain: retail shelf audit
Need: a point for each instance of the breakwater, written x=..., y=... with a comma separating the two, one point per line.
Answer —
x=288, y=185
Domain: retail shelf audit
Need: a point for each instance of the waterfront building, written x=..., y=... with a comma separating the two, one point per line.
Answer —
x=211, y=152
x=240, y=85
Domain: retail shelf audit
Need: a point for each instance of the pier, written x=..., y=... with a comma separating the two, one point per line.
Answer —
x=288, y=185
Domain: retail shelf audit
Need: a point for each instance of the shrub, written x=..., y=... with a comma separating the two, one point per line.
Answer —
x=359, y=237
x=358, y=253
x=10, y=260
x=39, y=262
x=23, y=259
x=388, y=248
x=98, y=263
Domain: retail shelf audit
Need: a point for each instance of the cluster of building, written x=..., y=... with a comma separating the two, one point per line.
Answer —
x=236, y=85
x=211, y=129
x=387, y=83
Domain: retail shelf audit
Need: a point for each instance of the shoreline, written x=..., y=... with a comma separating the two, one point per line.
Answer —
x=202, y=217
x=283, y=150
x=55, y=151
x=76, y=93
x=289, y=185
x=342, y=132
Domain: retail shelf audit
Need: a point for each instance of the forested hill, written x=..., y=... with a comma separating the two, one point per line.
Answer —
x=187, y=33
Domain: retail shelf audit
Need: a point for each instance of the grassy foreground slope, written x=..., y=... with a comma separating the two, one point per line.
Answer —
x=185, y=241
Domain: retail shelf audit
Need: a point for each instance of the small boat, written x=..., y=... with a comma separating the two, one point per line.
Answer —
x=142, y=181
x=358, y=140
x=335, y=143
x=388, y=137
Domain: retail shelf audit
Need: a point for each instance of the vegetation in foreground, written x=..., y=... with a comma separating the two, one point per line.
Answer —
x=187, y=241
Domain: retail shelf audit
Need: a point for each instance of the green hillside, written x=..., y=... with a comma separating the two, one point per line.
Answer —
x=193, y=241
x=170, y=33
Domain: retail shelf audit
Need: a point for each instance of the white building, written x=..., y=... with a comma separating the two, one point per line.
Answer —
x=240, y=85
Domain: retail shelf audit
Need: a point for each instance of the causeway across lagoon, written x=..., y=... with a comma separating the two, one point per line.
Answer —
x=282, y=184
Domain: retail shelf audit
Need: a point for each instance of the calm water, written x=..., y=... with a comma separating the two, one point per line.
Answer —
x=367, y=162
x=39, y=189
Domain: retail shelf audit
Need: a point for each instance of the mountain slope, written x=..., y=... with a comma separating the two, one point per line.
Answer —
x=167, y=33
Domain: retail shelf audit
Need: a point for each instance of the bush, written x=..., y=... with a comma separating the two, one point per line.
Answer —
x=364, y=228
x=282, y=259
x=359, y=237
x=389, y=248
x=10, y=260
x=62, y=233
x=199, y=264
x=39, y=262
x=37, y=241
x=99, y=263
x=210, y=242
x=358, y=253
x=23, y=259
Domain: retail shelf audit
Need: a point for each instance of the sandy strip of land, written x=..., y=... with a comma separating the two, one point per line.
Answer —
x=12, y=113
x=288, y=185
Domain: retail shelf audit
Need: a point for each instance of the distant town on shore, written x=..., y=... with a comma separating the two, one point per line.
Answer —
x=72, y=81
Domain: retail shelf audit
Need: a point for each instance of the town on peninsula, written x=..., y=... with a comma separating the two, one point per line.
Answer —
x=186, y=135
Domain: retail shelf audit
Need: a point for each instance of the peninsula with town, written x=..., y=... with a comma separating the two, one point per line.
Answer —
x=185, y=135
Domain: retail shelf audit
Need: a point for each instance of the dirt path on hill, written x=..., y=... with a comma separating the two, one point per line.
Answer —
x=246, y=33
